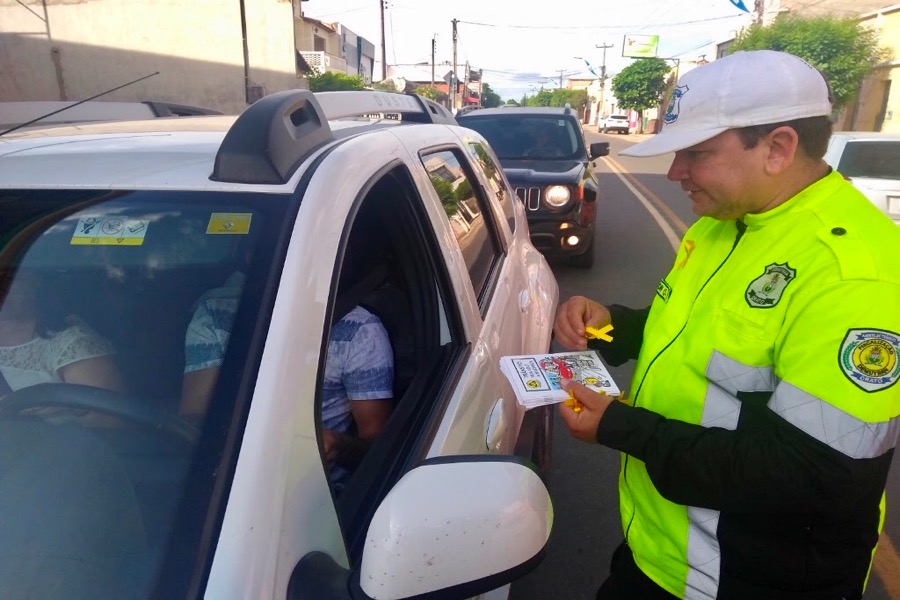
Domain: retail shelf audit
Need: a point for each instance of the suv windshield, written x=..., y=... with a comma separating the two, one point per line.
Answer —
x=98, y=294
x=517, y=136
x=876, y=159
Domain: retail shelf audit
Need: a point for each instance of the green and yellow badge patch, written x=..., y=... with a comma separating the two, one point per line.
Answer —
x=868, y=358
x=765, y=291
x=664, y=290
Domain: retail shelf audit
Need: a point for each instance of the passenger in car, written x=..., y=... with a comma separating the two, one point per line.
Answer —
x=37, y=346
x=359, y=373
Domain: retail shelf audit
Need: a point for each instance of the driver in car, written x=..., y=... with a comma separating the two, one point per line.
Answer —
x=46, y=348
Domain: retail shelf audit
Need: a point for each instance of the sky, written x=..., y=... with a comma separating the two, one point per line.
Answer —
x=522, y=45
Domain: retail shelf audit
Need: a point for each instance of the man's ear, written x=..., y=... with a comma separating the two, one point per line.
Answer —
x=783, y=145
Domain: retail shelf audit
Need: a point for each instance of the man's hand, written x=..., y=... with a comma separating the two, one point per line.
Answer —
x=572, y=317
x=330, y=444
x=583, y=423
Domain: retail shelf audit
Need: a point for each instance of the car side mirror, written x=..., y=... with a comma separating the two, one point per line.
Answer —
x=599, y=149
x=458, y=526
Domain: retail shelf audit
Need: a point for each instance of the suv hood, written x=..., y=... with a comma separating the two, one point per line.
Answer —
x=542, y=171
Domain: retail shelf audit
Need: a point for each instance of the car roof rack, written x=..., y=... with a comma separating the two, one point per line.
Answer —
x=270, y=139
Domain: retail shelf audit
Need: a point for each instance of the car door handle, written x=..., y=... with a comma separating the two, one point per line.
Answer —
x=524, y=300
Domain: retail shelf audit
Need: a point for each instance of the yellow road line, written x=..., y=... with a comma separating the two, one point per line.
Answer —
x=673, y=218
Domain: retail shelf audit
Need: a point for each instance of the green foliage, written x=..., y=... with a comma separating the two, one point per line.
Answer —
x=641, y=84
x=512, y=102
x=842, y=49
x=577, y=99
x=463, y=191
x=385, y=85
x=444, y=191
x=489, y=98
x=330, y=82
x=426, y=91
x=484, y=159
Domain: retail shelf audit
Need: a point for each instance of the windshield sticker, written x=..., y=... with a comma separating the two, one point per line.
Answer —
x=229, y=224
x=868, y=358
x=109, y=231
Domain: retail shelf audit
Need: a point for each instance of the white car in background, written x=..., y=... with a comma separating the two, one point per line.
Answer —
x=323, y=203
x=617, y=123
x=871, y=161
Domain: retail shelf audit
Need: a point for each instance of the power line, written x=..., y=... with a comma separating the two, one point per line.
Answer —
x=599, y=28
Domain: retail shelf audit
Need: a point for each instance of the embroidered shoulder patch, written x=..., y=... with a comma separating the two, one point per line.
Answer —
x=765, y=291
x=868, y=358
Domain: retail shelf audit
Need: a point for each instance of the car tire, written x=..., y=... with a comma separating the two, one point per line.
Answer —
x=586, y=259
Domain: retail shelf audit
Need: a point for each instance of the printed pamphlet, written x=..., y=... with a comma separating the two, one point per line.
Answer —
x=535, y=377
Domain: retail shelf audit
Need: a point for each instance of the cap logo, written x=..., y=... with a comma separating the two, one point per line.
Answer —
x=675, y=104
x=868, y=358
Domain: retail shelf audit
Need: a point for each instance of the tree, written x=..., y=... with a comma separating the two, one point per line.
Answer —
x=330, y=82
x=641, y=85
x=385, y=85
x=577, y=99
x=489, y=98
x=426, y=91
x=512, y=102
x=842, y=49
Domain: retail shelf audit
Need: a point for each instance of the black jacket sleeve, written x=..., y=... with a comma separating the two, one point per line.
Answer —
x=766, y=465
x=628, y=335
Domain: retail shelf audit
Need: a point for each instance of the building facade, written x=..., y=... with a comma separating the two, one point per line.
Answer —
x=205, y=53
x=877, y=107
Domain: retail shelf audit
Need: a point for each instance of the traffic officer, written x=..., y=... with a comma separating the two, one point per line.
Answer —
x=764, y=408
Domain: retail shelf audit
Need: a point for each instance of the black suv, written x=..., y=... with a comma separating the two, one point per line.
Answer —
x=543, y=154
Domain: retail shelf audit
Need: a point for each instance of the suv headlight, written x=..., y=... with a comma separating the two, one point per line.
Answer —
x=556, y=195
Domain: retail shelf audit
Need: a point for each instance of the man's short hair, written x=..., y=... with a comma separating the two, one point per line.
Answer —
x=813, y=134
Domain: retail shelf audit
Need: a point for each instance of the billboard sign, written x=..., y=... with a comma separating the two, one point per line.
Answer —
x=640, y=46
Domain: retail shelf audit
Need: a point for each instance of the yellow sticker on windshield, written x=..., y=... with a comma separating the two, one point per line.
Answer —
x=109, y=231
x=229, y=223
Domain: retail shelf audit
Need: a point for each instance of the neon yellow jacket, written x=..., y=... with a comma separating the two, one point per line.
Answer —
x=765, y=402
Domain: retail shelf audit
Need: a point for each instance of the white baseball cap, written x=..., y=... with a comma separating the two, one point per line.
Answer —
x=740, y=90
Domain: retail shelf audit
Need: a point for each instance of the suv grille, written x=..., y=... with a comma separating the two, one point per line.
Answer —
x=531, y=197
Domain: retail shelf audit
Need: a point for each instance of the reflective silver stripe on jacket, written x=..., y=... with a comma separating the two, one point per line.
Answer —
x=830, y=425
x=721, y=408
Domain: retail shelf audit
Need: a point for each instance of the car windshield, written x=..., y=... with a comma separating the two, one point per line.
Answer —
x=98, y=458
x=878, y=159
x=529, y=137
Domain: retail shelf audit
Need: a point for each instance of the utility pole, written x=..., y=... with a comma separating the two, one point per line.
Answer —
x=603, y=47
x=433, y=46
x=560, y=71
x=480, y=86
x=466, y=85
x=381, y=4
x=453, y=80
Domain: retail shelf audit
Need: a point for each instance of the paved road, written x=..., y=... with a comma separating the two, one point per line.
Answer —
x=635, y=251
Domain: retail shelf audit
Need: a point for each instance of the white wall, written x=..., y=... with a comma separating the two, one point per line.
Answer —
x=89, y=46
